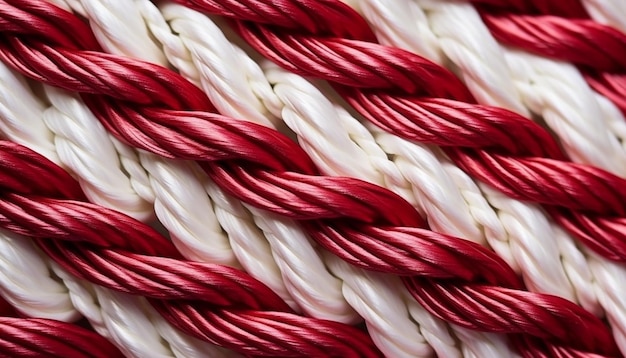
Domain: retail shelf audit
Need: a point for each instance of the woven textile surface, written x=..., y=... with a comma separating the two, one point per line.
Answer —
x=312, y=178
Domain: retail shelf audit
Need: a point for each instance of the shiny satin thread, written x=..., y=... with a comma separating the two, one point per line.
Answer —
x=37, y=337
x=155, y=109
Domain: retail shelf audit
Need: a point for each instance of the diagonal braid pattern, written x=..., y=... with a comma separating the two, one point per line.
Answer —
x=156, y=110
x=38, y=337
x=414, y=98
x=214, y=303
x=561, y=30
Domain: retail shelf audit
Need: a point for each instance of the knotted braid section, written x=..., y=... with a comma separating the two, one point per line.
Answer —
x=419, y=100
x=563, y=31
x=212, y=302
x=154, y=109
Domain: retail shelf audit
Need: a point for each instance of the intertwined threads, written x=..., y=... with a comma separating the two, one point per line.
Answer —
x=36, y=337
x=563, y=32
x=320, y=198
x=215, y=303
x=385, y=85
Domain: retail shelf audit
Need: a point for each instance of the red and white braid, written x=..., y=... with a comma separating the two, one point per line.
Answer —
x=214, y=303
x=318, y=200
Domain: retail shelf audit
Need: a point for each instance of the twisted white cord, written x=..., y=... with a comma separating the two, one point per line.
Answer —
x=469, y=46
x=216, y=58
x=608, y=12
x=85, y=150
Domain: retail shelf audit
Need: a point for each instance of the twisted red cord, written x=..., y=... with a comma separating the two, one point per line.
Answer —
x=561, y=8
x=36, y=337
x=218, y=304
x=155, y=109
x=399, y=91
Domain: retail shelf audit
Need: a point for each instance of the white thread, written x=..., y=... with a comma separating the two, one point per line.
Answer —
x=21, y=115
x=84, y=145
x=80, y=144
x=20, y=261
x=608, y=12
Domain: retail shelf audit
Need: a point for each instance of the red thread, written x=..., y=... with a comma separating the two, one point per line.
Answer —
x=562, y=8
x=35, y=337
x=362, y=223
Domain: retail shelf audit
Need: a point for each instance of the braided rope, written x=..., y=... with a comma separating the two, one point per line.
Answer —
x=603, y=11
x=362, y=291
x=36, y=337
x=127, y=321
x=223, y=172
x=401, y=338
x=228, y=302
x=460, y=37
x=159, y=185
x=460, y=127
x=505, y=77
x=540, y=269
x=599, y=50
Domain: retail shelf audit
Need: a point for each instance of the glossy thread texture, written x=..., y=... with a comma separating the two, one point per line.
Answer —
x=419, y=100
x=215, y=303
x=37, y=337
x=154, y=109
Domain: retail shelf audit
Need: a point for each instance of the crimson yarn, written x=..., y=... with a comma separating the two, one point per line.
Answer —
x=154, y=109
